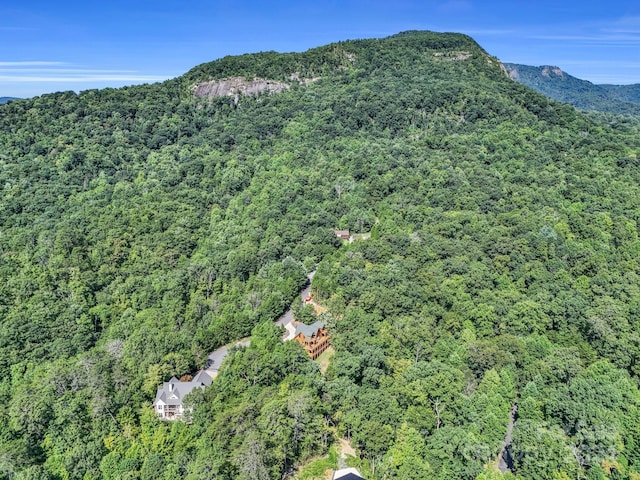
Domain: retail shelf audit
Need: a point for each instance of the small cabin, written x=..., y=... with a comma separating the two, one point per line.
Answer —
x=313, y=338
x=343, y=234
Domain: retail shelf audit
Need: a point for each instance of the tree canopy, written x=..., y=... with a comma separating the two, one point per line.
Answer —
x=495, y=263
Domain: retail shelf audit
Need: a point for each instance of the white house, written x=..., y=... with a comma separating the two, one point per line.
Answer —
x=168, y=402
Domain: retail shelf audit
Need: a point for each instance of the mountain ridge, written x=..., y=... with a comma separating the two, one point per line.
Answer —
x=496, y=263
x=559, y=85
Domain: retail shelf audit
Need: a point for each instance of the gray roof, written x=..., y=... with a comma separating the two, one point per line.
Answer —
x=174, y=391
x=308, y=330
x=203, y=378
x=347, y=474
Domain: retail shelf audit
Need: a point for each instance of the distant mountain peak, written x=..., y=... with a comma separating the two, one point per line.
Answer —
x=556, y=84
x=550, y=71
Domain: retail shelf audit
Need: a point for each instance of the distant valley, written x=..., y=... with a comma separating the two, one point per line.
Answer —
x=559, y=85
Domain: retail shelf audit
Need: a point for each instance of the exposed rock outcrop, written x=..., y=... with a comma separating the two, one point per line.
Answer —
x=235, y=86
x=453, y=56
x=548, y=71
x=504, y=69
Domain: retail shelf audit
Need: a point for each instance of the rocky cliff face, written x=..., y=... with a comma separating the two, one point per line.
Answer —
x=235, y=86
x=549, y=71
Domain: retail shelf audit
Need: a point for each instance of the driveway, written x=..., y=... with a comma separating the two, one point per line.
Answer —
x=216, y=357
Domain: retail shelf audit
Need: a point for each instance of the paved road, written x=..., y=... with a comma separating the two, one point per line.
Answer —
x=217, y=356
x=287, y=317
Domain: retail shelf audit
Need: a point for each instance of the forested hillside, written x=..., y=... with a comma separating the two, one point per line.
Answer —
x=143, y=227
x=560, y=86
x=625, y=93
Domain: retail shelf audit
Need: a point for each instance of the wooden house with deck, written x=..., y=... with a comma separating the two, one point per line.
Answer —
x=314, y=338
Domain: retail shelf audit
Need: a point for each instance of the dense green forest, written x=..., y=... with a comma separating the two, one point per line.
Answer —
x=582, y=94
x=143, y=227
x=625, y=93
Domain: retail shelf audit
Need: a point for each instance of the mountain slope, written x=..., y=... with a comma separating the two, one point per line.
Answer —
x=6, y=99
x=625, y=93
x=559, y=85
x=142, y=227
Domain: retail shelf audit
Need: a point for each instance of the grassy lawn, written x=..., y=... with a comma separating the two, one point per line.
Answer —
x=319, y=309
x=325, y=358
x=361, y=236
x=317, y=469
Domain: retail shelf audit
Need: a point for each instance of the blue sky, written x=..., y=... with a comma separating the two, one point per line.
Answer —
x=49, y=46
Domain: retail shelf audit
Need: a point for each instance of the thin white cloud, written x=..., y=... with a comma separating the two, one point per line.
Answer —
x=624, y=28
x=617, y=79
x=602, y=63
x=624, y=31
x=81, y=78
x=31, y=64
x=632, y=20
x=599, y=35
x=61, y=72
